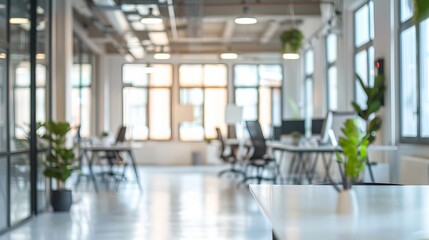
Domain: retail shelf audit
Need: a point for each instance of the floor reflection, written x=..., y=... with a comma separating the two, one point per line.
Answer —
x=177, y=203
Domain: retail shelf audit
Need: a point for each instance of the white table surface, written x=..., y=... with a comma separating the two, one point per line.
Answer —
x=111, y=147
x=287, y=146
x=309, y=212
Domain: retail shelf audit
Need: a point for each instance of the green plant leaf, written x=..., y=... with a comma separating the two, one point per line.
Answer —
x=421, y=10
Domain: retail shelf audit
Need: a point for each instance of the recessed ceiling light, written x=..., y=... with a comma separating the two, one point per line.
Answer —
x=146, y=42
x=2, y=55
x=151, y=18
x=40, y=56
x=161, y=56
x=129, y=58
x=18, y=20
x=290, y=56
x=229, y=56
x=245, y=18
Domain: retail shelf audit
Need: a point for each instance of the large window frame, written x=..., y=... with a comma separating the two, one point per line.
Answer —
x=204, y=88
x=331, y=65
x=148, y=89
x=407, y=24
x=366, y=47
x=309, y=69
x=258, y=88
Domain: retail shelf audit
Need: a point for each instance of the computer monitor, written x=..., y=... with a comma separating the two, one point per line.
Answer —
x=326, y=129
x=338, y=120
x=290, y=126
x=317, y=126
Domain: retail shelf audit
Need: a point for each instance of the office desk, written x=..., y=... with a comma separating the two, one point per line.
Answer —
x=118, y=148
x=305, y=158
x=309, y=212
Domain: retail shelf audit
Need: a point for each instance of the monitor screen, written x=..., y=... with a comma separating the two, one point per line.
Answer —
x=290, y=126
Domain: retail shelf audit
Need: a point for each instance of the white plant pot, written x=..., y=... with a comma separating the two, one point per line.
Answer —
x=347, y=203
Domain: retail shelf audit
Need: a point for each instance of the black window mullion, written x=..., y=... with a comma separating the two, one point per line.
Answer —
x=419, y=79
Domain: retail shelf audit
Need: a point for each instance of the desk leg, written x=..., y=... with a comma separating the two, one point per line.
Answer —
x=130, y=152
x=81, y=155
x=279, y=166
x=327, y=165
x=274, y=235
x=371, y=174
x=91, y=172
x=291, y=174
x=313, y=168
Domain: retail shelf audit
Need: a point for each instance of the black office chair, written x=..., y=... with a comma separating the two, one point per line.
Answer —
x=230, y=158
x=114, y=159
x=259, y=160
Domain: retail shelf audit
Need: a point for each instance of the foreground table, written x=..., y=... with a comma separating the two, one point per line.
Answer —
x=309, y=212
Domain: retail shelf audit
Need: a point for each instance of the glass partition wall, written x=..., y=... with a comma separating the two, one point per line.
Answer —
x=24, y=100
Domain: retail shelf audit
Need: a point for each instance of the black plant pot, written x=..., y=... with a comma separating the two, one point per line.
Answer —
x=61, y=200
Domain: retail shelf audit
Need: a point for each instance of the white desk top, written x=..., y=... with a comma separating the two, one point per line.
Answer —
x=309, y=212
x=286, y=146
x=114, y=147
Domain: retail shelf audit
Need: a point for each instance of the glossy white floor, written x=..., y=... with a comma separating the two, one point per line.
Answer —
x=177, y=203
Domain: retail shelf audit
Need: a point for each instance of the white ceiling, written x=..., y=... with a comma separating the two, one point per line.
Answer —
x=200, y=26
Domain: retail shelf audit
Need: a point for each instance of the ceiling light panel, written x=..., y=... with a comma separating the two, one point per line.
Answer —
x=128, y=7
x=159, y=38
x=134, y=17
x=155, y=27
x=146, y=42
x=161, y=56
x=138, y=26
x=144, y=9
x=138, y=52
x=109, y=3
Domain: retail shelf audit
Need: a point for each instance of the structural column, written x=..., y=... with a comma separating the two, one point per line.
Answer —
x=62, y=59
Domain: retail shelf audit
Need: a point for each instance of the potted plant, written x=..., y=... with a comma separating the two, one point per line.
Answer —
x=105, y=137
x=421, y=10
x=352, y=159
x=375, y=98
x=291, y=40
x=296, y=137
x=59, y=162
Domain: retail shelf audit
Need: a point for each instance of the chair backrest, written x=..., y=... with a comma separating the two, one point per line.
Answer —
x=220, y=139
x=120, y=137
x=257, y=138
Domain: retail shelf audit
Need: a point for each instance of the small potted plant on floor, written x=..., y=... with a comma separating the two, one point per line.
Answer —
x=59, y=162
x=352, y=159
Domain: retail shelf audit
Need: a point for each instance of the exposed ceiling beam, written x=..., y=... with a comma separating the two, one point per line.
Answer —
x=228, y=30
x=83, y=35
x=269, y=33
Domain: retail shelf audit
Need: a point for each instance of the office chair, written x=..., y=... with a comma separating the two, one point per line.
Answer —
x=230, y=158
x=113, y=158
x=259, y=158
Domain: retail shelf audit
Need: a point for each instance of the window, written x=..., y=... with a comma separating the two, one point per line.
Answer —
x=414, y=76
x=82, y=78
x=147, y=101
x=332, y=80
x=364, y=51
x=203, y=86
x=308, y=87
x=258, y=89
